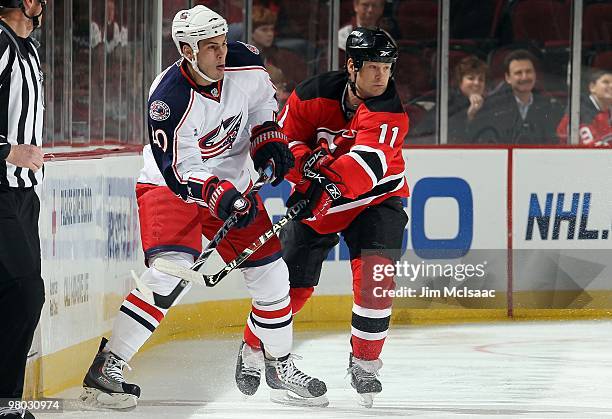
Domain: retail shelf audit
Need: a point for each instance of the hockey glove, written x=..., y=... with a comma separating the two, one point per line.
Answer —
x=317, y=158
x=268, y=143
x=319, y=191
x=320, y=157
x=224, y=200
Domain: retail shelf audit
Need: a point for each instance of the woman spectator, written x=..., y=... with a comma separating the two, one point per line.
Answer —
x=264, y=25
x=595, y=112
x=464, y=102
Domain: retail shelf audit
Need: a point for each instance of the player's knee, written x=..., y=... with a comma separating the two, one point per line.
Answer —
x=297, y=281
x=269, y=282
x=168, y=289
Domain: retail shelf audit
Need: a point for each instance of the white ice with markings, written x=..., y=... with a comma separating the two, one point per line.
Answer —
x=508, y=370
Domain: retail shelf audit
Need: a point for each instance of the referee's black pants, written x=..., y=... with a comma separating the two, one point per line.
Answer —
x=22, y=291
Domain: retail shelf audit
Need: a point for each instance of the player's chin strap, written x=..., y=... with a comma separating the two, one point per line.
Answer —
x=353, y=86
x=35, y=18
x=196, y=68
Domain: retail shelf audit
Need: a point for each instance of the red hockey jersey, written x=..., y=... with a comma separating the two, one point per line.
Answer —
x=595, y=125
x=367, y=148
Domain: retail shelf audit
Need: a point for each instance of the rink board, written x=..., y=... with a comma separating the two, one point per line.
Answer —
x=562, y=217
x=90, y=242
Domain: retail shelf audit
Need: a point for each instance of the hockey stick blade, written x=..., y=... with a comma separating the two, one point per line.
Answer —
x=188, y=274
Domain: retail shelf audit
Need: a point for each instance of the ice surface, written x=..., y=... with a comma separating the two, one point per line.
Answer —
x=507, y=370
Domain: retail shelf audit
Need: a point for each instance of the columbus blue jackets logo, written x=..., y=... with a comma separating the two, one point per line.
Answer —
x=221, y=138
x=159, y=111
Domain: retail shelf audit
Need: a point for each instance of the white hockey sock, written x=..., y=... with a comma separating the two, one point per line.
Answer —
x=137, y=319
x=272, y=323
x=135, y=323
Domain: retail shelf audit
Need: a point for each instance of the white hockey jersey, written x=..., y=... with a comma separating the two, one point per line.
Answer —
x=197, y=133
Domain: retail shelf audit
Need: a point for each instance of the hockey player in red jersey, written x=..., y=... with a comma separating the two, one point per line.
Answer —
x=346, y=130
x=210, y=114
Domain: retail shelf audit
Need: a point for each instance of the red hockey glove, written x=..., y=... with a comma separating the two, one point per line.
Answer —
x=224, y=200
x=268, y=143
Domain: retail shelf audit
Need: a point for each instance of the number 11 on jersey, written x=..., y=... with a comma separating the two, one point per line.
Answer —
x=383, y=134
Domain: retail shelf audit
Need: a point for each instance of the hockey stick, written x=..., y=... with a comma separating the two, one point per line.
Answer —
x=265, y=176
x=191, y=275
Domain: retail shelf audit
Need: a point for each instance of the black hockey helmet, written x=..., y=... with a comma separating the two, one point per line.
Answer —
x=11, y=4
x=376, y=45
x=18, y=4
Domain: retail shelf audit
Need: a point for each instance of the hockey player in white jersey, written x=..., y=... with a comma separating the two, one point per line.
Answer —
x=209, y=113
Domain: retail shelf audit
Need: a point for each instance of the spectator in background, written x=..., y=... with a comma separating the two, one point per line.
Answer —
x=115, y=35
x=595, y=112
x=465, y=100
x=264, y=26
x=517, y=114
x=368, y=14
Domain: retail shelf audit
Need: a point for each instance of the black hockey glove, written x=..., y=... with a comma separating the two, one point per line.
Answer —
x=320, y=193
x=268, y=143
x=224, y=200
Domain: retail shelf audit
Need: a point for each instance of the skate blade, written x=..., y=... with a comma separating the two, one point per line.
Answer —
x=291, y=399
x=366, y=399
x=93, y=397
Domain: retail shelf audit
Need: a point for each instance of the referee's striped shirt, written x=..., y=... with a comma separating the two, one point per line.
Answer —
x=21, y=103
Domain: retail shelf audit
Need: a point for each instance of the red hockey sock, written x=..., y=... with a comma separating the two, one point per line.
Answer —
x=367, y=350
x=299, y=296
x=250, y=338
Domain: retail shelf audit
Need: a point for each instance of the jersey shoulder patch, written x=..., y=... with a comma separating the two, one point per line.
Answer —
x=387, y=102
x=240, y=54
x=328, y=85
x=170, y=98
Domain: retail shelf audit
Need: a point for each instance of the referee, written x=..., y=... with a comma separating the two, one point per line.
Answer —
x=21, y=159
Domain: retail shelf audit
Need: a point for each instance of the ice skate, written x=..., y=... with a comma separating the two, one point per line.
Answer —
x=291, y=386
x=363, y=379
x=10, y=413
x=104, y=385
x=249, y=364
